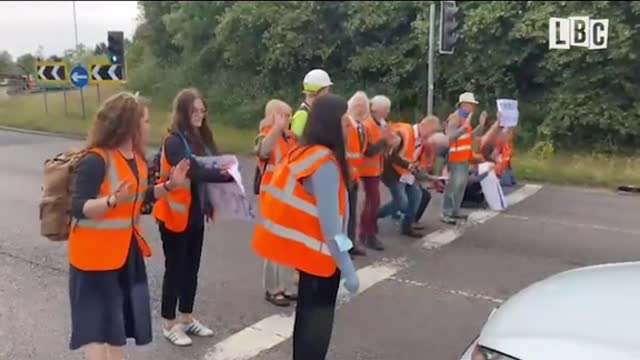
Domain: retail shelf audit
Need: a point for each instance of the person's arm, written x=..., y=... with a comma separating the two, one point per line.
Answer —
x=266, y=144
x=453, y=123
x=175, y=151
x=375, y=149
x=455, y=134
x=396, y=159
x=325, y=185
x=298, y=122
x=88, y=178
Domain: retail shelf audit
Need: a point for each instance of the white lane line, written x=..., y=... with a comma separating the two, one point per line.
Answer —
x=273, y=330
x=573, y=224
x=466, y=294
x=442, y=237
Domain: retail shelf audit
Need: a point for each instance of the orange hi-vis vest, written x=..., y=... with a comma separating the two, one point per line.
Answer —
x=103, y=243
x=408, y=150
x=280, y=150
x=173, y=208
x=289, y=231
x=372, y=166
x=461, y=150
x=355, y=148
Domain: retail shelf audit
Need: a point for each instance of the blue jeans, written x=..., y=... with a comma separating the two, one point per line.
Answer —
x=405, y=198
x=454, y=193
x=508, y=178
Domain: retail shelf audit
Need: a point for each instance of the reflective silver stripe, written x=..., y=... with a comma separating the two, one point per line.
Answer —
x=143, y=182
x=174, y=206
x=108, y=224
x=269, y=168
x=292, y=200
x=290, y=234
x=351, y=155
x=460, y=148
x=302, y=167
x=114, y=177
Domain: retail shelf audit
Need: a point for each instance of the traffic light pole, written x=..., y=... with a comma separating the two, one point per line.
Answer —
x=431, y=63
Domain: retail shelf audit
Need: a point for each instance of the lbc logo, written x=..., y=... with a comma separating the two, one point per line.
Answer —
x=578, y=31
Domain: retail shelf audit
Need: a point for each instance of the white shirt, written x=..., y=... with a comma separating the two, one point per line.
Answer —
x=418, y=147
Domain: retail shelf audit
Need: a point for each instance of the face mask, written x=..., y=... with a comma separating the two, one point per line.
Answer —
x=463, y=114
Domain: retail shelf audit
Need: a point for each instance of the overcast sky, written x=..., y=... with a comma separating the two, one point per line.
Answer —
x=26, y=24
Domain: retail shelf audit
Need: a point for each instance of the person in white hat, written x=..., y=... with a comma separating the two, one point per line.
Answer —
x=459, y=157
x=315, y=84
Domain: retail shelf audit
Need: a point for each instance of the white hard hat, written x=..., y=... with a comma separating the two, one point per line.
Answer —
x=316, y=80
x=467, y=97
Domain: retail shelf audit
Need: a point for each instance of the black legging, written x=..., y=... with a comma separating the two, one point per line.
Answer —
x=314, y=316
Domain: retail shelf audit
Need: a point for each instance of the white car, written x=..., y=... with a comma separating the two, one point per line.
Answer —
x=590, y=313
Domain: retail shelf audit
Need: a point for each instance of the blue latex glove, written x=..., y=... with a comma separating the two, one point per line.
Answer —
x=339, y=247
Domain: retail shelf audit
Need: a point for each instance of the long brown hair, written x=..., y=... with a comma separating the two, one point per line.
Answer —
x=181, y=119
x=118, y=121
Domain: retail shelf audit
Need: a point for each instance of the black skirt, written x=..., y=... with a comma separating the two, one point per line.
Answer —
x=109, y=307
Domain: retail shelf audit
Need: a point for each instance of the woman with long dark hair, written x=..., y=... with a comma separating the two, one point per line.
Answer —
x=181, y=215
x=303, y=224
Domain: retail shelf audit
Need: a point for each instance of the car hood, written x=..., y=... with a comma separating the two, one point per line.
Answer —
x=574, y=315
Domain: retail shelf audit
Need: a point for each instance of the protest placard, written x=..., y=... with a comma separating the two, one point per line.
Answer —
x=228, y=199
x=510, y=113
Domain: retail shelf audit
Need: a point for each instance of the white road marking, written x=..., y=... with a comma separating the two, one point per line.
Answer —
x=573, y=224
x=466, y=294
x=442, y=237
x=273, y=330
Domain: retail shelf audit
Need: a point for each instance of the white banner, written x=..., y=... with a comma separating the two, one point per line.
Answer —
x=509, y=110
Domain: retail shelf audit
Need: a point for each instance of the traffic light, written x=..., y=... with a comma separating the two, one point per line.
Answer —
x=115, y=47
x=451, y=19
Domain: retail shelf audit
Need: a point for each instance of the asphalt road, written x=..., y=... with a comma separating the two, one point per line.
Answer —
x=422, y=299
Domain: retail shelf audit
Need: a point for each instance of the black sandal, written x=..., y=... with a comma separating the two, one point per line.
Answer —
x=278, y=299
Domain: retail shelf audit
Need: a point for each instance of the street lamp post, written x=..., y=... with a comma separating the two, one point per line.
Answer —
x=75, y=25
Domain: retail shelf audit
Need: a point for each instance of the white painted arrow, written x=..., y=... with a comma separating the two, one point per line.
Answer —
x=41, y=73
x=54, y=72
x=112, y=72
x=75, y=77
x=96, y=72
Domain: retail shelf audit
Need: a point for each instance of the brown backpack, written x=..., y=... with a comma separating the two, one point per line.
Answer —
x=55, y=204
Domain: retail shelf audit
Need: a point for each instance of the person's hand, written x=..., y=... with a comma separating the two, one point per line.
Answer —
x=413, y=166
x=352, y=283
x=179, y=172
x=280, y=121
x=483, y=118
x=122, y=192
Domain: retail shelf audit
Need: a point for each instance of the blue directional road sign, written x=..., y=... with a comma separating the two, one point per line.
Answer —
x=79, y=76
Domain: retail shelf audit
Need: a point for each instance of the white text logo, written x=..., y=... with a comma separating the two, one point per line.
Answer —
x=578, y=31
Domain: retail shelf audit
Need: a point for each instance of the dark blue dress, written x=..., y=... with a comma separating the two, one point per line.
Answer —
x=107, y=307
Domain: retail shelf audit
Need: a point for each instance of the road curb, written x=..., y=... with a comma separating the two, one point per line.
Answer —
x=79, y=137
x=42, y=133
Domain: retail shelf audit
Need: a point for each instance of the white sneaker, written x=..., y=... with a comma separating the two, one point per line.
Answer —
x=177, y=335
x=196, y=328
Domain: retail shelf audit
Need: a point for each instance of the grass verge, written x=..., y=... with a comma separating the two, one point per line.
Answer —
x=28, y=112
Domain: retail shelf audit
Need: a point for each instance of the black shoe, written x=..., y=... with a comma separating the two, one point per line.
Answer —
x=374, y=244
x=461, y=217
x=412, y=234
x=357, y=250
x=417, y=226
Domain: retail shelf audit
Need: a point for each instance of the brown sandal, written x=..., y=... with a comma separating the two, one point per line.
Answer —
x=277, y=299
